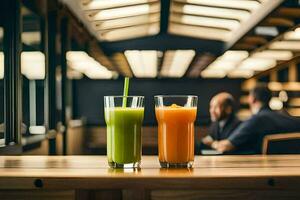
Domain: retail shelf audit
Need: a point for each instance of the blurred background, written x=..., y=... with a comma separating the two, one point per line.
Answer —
x=59, y=58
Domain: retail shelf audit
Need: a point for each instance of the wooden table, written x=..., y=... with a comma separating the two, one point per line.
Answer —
x=88, y=177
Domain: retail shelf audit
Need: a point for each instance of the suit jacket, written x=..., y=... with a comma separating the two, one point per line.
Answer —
x=229, y=126
x=249, y=135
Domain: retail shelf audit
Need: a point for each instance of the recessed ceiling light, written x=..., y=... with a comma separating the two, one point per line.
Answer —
x=278, y=55
x=237, y=4
x=240, y=73
x=142, y=63
x=200, y=32
x=257, y=64
x=285, y=45
x=213, y=73
x=206, y=21
x=33, y=65
x=216, y=12
x=175, y=63
x=266, y=30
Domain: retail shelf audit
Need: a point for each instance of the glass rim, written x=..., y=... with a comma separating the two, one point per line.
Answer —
x=176, y=96
x=120, y=96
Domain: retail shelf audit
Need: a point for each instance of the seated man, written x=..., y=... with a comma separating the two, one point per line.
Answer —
x=224, y=121
x=249, y=135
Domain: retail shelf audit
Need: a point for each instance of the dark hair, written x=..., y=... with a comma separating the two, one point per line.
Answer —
x=261, y=93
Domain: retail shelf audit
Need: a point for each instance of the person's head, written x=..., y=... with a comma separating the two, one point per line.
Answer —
x=221, y=106
x=259, y=97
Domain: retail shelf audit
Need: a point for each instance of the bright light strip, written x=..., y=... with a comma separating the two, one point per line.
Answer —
x=206, y=21
x=33, y=65
x=130, y=32
x=257, y=64
x=292, y=35
x=80, y=61
x=285, y=45
x=207, y=73
x=234, y=55
x=175, y=63
x=123, y=12
x=31, y=38
x=222, y=65
x=75, y=56
x=278, y=55
x=200, y=32
x=247, y=5
x=128, y=21
x=98, y=72
x=1, y=65
x=216, y=12
x=227, y=62
x=266, y=30
x=143, y=63
x=82, y=66
x=240, y=73
x=104, y=4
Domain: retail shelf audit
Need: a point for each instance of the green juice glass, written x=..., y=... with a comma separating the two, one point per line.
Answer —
x=124, y=117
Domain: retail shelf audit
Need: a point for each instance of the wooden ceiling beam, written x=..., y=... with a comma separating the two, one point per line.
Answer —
x=278, y=21
x=288, y=12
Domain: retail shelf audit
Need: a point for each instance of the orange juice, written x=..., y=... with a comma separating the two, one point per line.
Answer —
x=176, y=134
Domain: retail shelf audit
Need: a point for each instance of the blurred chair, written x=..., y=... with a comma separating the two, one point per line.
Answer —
x=283, y=143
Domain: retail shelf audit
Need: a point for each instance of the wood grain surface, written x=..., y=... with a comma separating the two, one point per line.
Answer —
x=88, y=177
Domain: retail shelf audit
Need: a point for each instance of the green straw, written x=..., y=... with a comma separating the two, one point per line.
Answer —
x=125, y=92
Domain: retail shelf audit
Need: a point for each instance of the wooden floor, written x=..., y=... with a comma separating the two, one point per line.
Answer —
x=88, y=177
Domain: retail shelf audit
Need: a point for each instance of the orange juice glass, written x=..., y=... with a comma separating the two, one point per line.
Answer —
x=176, y=115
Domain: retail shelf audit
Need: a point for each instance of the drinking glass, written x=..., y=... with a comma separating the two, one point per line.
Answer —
x=124, y=117
x=175, y=115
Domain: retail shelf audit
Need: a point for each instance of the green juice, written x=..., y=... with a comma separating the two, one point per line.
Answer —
x=124, y=139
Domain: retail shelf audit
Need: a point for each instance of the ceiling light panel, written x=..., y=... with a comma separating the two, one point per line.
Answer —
x=128, y=21
x=292, y=35
x=237, y=4
x=266, y=30
x=285, y=45
x=129, y=32
x=121, y=12
x=106, y=4
x=200, y=32
x=205, y=21
x=273, y=54
x=213, y=12
x=33, y=65
x=234, y=55
x=176, y=63
x=228, y=61
x=222, y=65
x=240, y=73
x=211, y=73
x=143, y=63
x=257, y=64
x=31, y=38
x=221, y=18
x=81, y=62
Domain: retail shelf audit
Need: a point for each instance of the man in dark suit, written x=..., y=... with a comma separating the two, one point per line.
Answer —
x=249, y=135
x=224, y=121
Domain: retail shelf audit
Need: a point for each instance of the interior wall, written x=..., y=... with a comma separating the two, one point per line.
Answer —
x=88, y=95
